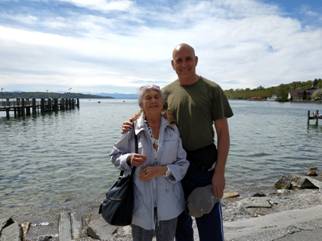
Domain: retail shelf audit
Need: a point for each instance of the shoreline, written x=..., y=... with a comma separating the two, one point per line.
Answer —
x=236, y=211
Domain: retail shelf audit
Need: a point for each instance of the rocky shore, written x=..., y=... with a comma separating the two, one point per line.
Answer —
x=294, y=208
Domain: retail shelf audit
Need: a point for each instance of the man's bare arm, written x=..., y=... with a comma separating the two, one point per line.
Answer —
x=223, y=142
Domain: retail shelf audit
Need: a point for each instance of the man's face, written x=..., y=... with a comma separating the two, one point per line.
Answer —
x=184, y=62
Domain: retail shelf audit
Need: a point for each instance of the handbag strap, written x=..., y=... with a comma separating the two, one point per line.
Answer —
x=136, y=147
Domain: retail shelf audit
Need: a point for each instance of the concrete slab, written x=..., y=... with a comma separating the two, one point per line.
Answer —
x=274, y=226
x=76, y=226
x=64, y=227
x=256, y=202
x=303, y=235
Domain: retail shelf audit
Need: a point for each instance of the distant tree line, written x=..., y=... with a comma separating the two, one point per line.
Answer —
x=53, y=95
x=281, y=91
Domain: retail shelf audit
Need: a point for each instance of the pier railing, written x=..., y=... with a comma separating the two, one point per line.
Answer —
x=26, y=106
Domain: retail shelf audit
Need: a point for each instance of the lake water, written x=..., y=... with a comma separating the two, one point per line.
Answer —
x=61, y=160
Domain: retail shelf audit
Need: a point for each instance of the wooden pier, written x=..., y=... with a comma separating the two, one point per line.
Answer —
x=22, y=107
x=315, y=115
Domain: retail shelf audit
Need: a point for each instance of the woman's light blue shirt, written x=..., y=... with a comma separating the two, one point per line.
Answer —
x=163, y=192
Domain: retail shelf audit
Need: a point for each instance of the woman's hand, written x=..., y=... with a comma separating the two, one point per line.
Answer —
x=136, y=159
x=150, y=172
x=126, y=126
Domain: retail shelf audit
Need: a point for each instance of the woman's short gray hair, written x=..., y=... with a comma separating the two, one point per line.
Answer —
x=145, y=88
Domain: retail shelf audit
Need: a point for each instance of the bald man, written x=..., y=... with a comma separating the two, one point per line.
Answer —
x=195, y=104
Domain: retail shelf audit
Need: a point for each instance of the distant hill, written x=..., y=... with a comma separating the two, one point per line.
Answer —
x=281, y=91
x=38, y=95
x=119, y=95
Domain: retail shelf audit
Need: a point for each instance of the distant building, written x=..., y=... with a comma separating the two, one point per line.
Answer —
x=272, y=98
x=302, y=95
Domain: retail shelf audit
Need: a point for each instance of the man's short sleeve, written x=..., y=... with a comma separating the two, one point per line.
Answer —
x=220, y=105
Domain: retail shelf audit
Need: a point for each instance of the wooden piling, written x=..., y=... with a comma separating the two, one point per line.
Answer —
x=33, y=106
x=50, y=105
x=42, y=105
x=27, y=107
x=55, y=107
x=23, y=112
x=308, y=117
x=317, y=118
x=7, y=108
x=24, y=107
x=18, y=107
x=66, y=104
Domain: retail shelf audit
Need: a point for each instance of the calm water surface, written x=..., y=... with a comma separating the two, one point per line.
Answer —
x=60, y=160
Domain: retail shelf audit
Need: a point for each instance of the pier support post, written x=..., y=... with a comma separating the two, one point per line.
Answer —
x=8, y=113
x=34, y=108
x=23, y=112
x=42, y=105
x=18, y=107
x=73, y=103
x=62, y=104
x=8, y=108
x=27, y=107
x=317, y=118
x=55, y=107
x=50, y=107
x=308, y=117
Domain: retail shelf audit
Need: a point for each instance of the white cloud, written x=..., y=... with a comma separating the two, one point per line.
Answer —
x=102, y=5
x=240, y=44
x=25, y=19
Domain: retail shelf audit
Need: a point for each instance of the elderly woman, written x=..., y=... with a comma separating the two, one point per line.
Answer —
x=160, y=165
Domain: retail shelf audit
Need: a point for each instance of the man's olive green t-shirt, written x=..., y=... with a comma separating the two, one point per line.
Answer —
x=194, y=108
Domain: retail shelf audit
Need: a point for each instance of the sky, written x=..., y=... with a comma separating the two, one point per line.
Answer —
x=95, y=46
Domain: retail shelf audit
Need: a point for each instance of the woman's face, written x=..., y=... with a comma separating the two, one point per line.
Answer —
x=152, y=102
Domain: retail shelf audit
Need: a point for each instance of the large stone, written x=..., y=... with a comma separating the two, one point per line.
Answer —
x=312, y=172
x=316, y=183
x=10, y=231
x=303, y=183
x=99, y=229
x=284, y=183
x=4, y=222
x=259, y=194
x=41, y=230
x=296, y=181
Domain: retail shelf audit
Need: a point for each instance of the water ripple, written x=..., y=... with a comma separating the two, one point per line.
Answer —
x=61, y=159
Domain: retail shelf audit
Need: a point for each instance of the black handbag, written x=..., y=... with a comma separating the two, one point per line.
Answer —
x=117, y=207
